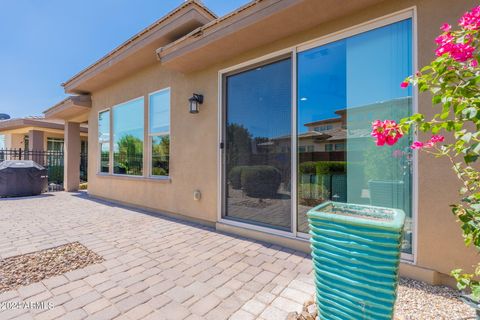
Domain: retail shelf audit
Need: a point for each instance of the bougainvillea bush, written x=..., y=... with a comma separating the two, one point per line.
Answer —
x=453, y=80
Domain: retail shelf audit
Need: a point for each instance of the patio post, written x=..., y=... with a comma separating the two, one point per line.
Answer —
x=71, y=156
x=36, y=146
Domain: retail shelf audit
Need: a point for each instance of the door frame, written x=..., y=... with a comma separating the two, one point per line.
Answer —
x=407, y=13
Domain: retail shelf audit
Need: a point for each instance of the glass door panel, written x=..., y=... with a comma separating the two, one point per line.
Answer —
x=343, y=87
x=257, y=155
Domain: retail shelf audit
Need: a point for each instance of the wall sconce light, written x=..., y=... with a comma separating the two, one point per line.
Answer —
x=195, y=100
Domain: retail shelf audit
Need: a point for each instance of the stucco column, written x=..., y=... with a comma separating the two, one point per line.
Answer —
x=35, y=140
x=71, y=157
x=36, y=144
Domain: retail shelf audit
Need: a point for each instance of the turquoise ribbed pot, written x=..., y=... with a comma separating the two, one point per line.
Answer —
x=356, y=254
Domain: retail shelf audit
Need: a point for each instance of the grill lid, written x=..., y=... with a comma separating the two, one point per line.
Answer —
x=20, y=164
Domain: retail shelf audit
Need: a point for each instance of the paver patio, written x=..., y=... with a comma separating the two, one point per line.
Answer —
x=155, y=267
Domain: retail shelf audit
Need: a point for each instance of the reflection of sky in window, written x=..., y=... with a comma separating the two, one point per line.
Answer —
x=260, y=99
x=2, y=141
x=160, y=112
x=357, y=71
x=128, y=120
x=104, y=126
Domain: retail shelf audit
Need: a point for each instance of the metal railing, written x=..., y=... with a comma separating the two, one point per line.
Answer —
x=53, y=161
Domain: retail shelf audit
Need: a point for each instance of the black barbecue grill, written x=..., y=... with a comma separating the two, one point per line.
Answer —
x=20, y=178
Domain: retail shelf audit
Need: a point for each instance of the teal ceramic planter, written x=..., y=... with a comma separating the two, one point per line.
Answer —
x=356, y=254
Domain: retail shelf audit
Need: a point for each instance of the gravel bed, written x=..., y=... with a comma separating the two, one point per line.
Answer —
x=33, y=267
x=416, y=301
x=420, y=301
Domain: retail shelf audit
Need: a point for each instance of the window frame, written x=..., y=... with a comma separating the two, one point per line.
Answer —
x=100, y=142
x=158, y=134
x=112, y=133
x=55, y=141
x=367, y=25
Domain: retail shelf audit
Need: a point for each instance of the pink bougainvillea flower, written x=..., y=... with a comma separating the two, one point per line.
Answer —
x=417, y=145
x=460, y=51
x=437, y=138
x=404, y=84
x=429, y=144
x=387, y=131
x=444, y=38
x=474, y=63
x=471, y=19
x=446, y=27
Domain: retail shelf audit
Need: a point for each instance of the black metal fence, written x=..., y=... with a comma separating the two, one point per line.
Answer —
x=53, y=161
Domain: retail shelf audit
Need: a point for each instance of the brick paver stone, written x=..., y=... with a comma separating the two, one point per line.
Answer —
x=155, y=268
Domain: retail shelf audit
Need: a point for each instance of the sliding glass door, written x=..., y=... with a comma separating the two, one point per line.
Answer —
x=343, y=87
x=257, y=137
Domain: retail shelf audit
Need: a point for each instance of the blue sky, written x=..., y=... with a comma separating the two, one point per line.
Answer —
x=46, y=42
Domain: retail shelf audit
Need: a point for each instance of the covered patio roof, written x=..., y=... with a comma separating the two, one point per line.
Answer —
x=257, y=23
x=23, y=125
x=73, y=108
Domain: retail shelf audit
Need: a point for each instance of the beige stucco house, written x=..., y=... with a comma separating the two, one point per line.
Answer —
x=178, y=111
x=36, y=133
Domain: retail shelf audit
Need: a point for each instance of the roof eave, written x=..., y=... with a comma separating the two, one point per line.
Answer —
x=202, y=14
x=257, y=23
x=74, y=108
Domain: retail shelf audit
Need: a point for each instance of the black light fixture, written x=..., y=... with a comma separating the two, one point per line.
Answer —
x=195, y=100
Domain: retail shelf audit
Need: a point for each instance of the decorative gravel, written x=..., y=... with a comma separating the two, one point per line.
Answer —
x=420, y=301
x=33, y=267
x=416, y=301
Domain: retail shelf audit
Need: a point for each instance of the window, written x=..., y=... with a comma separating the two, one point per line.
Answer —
x=159, y=132
x=323, y=128
x=104, y=140
x=84, y=147
x=54, y=144
x=128, y=130
x=358, y=171
x=26, y=142
x=301, y=149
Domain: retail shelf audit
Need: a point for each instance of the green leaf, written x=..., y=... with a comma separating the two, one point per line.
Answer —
x=436, y=99
x=467, y=137
x=470, y=158
x=470, y=112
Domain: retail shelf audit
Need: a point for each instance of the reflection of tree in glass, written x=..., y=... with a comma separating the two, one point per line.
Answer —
x=239, y=145
x=389, y=163
x=160, y=155
x=129, y=157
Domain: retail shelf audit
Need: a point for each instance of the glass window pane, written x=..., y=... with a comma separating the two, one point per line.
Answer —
x=160, y=112
x=258, y=140
x=342, y=88
x=160, y=155
x=54, y=144
x=104, y=126
x=128, y=130
x=104, y=157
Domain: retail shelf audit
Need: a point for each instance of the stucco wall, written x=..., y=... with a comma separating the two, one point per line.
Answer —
x=194, y=139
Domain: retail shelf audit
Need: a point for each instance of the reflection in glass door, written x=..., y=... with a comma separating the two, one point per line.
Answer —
x=257, y=136
x=343, y=87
